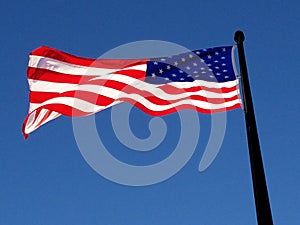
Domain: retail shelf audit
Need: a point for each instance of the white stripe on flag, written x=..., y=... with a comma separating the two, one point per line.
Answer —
x=73, y=69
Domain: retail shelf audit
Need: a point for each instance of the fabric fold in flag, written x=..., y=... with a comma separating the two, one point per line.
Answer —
x=63, y=84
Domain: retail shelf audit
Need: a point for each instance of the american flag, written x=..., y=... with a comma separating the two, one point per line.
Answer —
x=63, y=84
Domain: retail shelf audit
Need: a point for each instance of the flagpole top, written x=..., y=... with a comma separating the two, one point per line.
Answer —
x=239, y=37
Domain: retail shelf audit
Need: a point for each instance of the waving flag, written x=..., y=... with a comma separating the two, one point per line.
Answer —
x=63, y=84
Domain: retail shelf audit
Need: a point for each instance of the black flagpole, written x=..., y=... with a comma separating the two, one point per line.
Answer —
x=262, y=204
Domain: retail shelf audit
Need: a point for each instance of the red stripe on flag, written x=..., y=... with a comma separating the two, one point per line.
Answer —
x=178, y=108
x=100, y=63
x=175, y=90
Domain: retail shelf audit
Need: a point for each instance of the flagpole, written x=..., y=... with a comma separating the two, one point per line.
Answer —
x=262, y=203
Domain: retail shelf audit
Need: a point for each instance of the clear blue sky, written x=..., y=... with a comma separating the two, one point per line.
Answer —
x=45, y=180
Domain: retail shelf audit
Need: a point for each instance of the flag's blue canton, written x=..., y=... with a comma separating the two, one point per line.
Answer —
x=213, y=64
